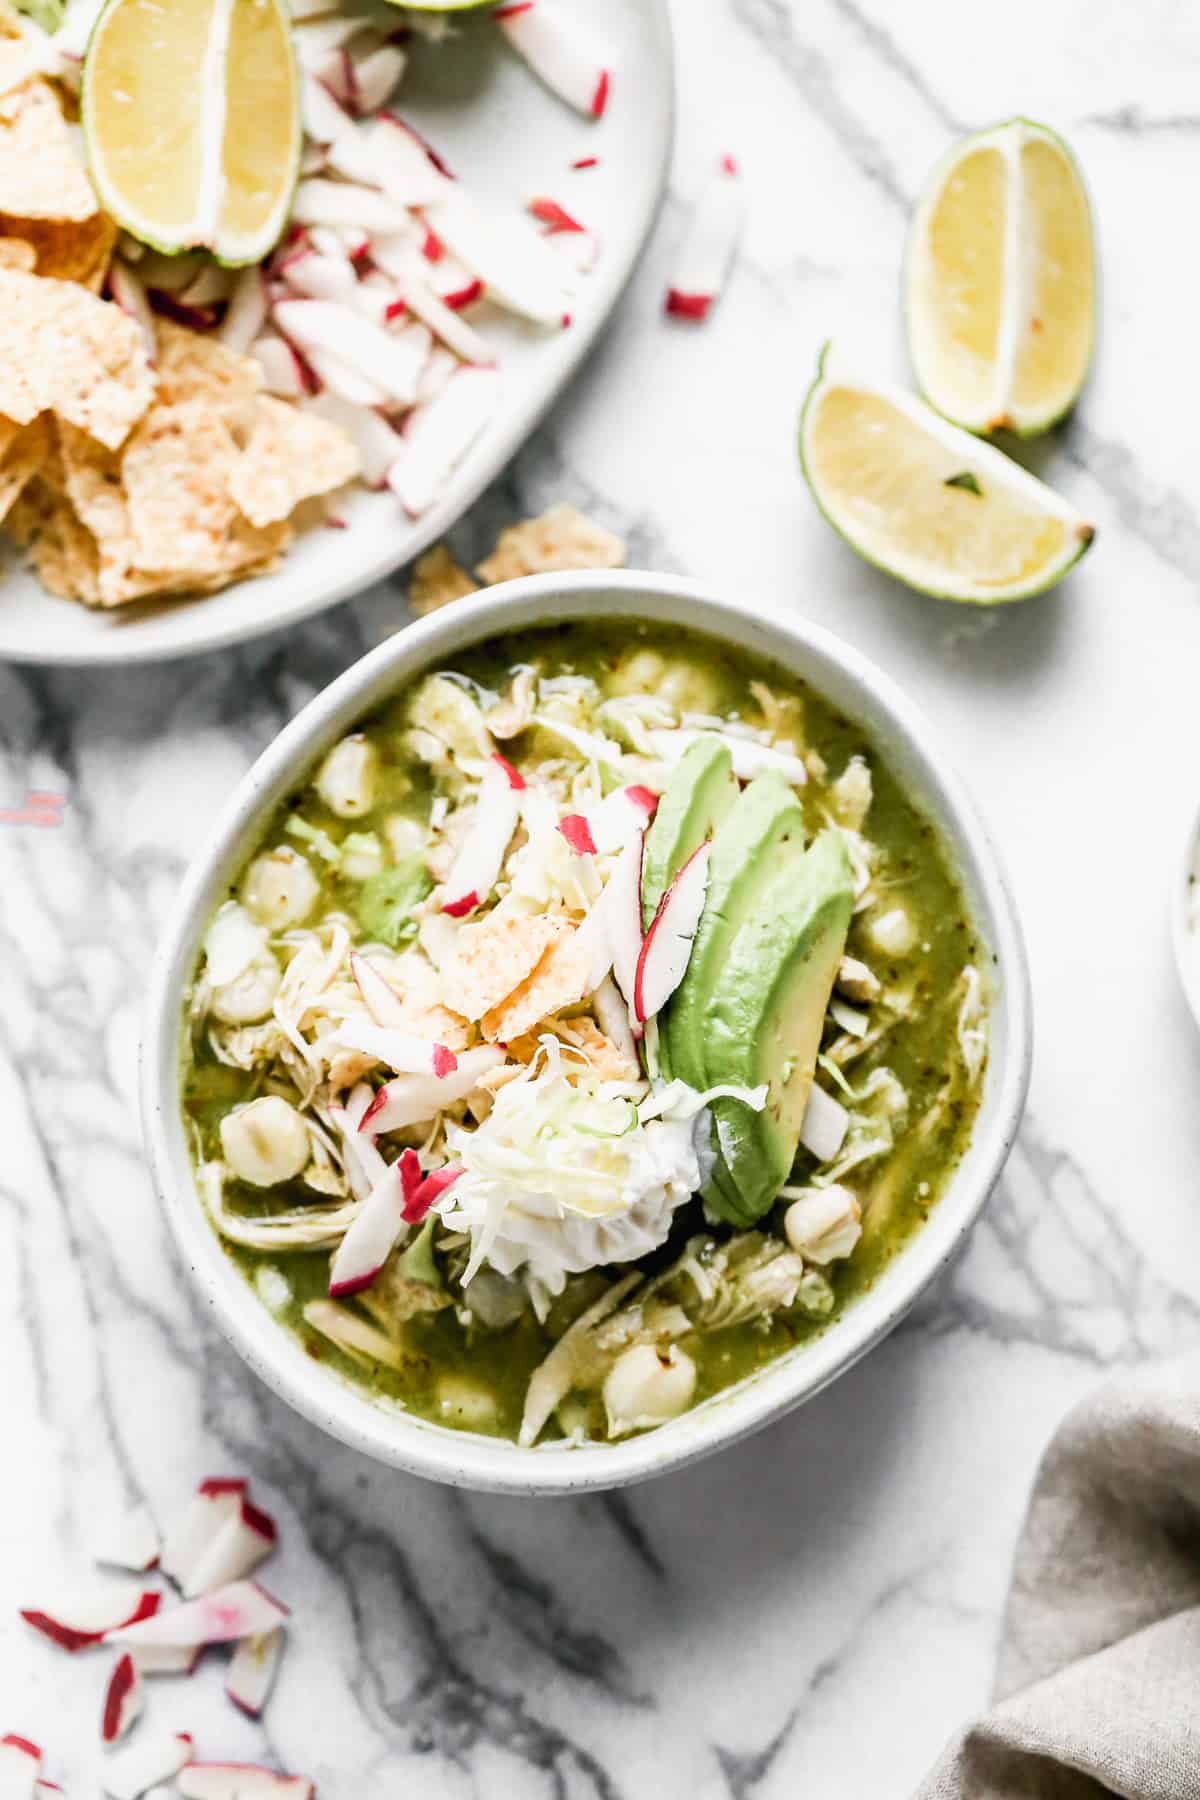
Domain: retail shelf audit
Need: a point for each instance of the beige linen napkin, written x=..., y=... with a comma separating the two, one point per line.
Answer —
x=1098, y=1690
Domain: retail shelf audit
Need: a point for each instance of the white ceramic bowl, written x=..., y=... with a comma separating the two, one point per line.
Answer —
x=1185, y=936
x=903, y=736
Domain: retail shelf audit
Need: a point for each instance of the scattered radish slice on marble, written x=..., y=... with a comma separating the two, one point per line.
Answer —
x=149, y=1760
x=245, y=1540
x=240, y=1781
x=252, y=1671
x=243, y=1609
x=709, y=244
x=20, y=1762
x=561, y=55
x=124, y=1698
x=667, y=946
x=88, y=1621
x=189, y=1540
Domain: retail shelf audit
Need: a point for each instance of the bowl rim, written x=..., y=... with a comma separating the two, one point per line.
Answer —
x=386, y=1432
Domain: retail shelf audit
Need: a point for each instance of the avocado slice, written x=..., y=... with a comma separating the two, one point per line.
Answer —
x=700, y=792
x=763, y=1021
x=763, y=829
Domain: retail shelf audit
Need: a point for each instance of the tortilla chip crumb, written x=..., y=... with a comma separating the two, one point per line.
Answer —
x=560, y=539
x=41, y=173
x=436, y=580
x=64, y=351
x=66, y=250
x=559, y=980
x=493, y=957
x=176, y=470
x=604, y=1059
x=21, y=461
x=15, y=253
x=290, y=456
x=193, y=365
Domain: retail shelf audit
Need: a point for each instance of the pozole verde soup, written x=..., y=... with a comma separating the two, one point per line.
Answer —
x=592, y=1027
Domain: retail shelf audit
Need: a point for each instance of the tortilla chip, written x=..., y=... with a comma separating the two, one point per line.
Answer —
x=176, y=470
x=195, y=366
x=64, y=351
x=290, y=456
x=62, y=551
x=560, y=979
x=436, y=580
x=561, y=539
x=494, y=956
x=23, y=457
x=67, y=250
x=604, y=1059
x=15, y=253
x=41, y=173
x=92, y=480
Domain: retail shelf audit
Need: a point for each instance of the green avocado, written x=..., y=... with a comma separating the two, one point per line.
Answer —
x=697, y=797
x=764, y=829
x=763, y=1021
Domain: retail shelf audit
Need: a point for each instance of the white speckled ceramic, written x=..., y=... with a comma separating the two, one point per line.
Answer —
x=852, y=684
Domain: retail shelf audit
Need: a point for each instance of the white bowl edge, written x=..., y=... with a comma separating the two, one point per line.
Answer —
x=857, y=688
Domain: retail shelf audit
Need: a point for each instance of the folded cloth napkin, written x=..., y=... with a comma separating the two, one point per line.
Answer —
x=1098, y=1689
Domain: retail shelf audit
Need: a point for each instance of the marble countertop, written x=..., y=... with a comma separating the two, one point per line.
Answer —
x=813, y=1611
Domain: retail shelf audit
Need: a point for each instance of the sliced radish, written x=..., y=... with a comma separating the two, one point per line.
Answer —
x=189, y=1540
x=619, y=816
x=612, y=1016
x=621, y=900
x=364, y=1165
x=241, y=1781
x=253, y=1670
x=824, y=1125
x=418, y=1203
x=380, y=998
x=668, y=943
x=124, y=1699
x=377, y=75
x=570, y=64
x=551, y=214
x=376, y=1231
x=129, y=292
x=586, y=162
x=511, y=774
x=210, y=286
x=517, y=266
x=377, y=443
x=170, y=306
x=439, y=436
x=578, y=833
x=324, y=120
x=319, y=202
x=386, y=154
x=245, y=1540
x=480, y=856
x=243, y=1609
x=400, y=259
x=145, y=1763
x=580, y=248
x=411, y=1099
x=709, y=245
x=20, y=1762
x=318, y=277
x=88, y=1622
x=283, y=371
x=129, y=1542
x=324, y=328
x=748, y=756
x=466, y=294
x=247, y=311
x=347, y=383
x=436, y=374
x=407, y=1055
x=167, y=1659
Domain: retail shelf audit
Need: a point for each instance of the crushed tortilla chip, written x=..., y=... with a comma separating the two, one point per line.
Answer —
x=290, y=456
x=64, y=351
x=604, y=1059
x=92, y=481
x=41, y=173
x=176, y=470
x=61, y=549
x=560, y=979
x=560, y=539
x=495, y=955
x=193, y=365
x=436, y=580
x=22, y=459
x=67, y=250
x=16, y=253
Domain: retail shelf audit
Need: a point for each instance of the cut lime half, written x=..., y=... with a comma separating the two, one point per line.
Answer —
x=191, y=118
x=1000, y=282
x=927, y=502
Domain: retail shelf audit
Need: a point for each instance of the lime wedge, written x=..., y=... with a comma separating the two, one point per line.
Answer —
x=191, y=118
x=927, y=502
x=1000, y=281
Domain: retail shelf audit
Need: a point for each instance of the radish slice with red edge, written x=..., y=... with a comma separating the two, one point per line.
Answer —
x=621, y=899
x=612, y=1016
x=667, y=946
x=252, y=1671
x=407, y=1055
x=516, y=265
x=620, y=816
x=578, y=833
x=241, y=1781
x=363, y=1163
x=130, y=295
x=480, y=856
x=124, y=1698
x=243, y=1609
x=149, y=1760
x=555, y=217
x=326, y=327
x=411, y=1099
x=128, y=1542
x=439, y=436
x=419, y=1202
x=282, y=370
x=385, y=154
x=377, y=75
x=378, y=443
x=247, y=312
x=376, y=1230
x=245, y=1540
x=347, y=383
x=320, y=202
x=167, y=1659
x=380, y=999
x=85, y=1623
x=560, y=54
x=188, y=1541
x=20, y=1762
x=402, y=261
x=709, y=244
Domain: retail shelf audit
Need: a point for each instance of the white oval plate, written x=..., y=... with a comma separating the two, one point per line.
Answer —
x=508, y=138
